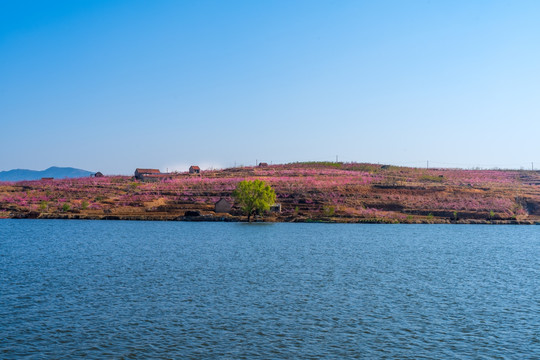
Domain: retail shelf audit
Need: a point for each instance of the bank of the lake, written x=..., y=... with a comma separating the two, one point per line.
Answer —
x=267, y=219
x=305, y=192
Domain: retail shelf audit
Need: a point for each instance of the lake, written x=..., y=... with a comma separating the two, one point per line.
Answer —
x=117, y=289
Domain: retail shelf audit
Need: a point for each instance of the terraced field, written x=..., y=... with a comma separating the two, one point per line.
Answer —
x=335, y=192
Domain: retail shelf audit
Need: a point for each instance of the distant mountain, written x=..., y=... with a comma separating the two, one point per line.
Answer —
x=52, y=172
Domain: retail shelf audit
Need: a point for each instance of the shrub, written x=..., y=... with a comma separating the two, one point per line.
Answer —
x=431, y=178
x=43, y=205
x=329, y=210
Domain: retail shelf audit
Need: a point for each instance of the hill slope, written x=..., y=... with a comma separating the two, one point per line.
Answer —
x=333, y=192
x=54, y=172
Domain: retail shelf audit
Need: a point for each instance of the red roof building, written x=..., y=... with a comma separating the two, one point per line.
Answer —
x=140, y=172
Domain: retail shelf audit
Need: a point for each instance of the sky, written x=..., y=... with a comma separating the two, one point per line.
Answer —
x=114, y=85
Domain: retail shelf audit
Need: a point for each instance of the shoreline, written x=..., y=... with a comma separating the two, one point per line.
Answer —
x=243, y=219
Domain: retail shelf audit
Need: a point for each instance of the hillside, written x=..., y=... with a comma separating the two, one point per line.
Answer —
x=334, y=192
x=52, y=172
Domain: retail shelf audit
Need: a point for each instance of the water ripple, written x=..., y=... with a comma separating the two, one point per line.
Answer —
x=131, y=290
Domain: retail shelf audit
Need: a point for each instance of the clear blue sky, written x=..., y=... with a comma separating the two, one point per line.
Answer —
x=114, y=85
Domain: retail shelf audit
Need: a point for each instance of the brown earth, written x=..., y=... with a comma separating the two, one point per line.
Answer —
x=396, y=195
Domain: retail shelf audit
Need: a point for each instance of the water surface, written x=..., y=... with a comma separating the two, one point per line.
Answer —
x=100, y=289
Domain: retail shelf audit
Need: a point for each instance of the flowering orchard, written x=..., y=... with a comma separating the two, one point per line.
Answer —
x=309, y=190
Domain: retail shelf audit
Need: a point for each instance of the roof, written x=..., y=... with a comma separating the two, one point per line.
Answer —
x=195, y=167
x=147, y=171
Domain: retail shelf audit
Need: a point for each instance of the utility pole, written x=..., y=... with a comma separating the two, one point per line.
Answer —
x=532, y=166
x=427, y=164
x=336, y=159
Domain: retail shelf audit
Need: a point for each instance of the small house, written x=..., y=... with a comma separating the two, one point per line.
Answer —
x=276, y=208
x=223, y=206
x=98, y=174
x=139, y=173
x=263, y=164
x=194, y=169
x=156, y=177
x=150, y=177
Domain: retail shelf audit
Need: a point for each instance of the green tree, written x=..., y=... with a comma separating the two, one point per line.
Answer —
x=254, y=197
